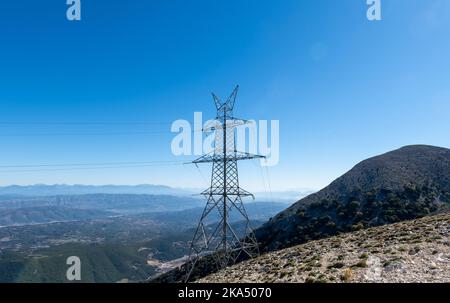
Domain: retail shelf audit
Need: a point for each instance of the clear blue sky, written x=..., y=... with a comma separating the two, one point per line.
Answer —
x=342, y=87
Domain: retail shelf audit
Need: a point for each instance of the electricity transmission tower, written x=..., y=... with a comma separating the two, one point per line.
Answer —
x=220, y=241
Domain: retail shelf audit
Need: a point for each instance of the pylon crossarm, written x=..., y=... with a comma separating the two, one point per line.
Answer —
x=230, y=123
x=233, y=192
x=244, y=193
x=231, y=156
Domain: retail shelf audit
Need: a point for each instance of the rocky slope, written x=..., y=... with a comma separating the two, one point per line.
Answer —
x=405, y=184
x=408, y=183
x=410, y=251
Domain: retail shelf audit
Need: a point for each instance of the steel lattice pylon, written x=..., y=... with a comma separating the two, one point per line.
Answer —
x=219, y=240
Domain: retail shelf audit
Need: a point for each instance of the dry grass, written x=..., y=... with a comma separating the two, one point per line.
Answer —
x=411, y=251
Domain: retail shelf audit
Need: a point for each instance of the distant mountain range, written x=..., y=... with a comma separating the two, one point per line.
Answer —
x=43, y=190
x=63, y=189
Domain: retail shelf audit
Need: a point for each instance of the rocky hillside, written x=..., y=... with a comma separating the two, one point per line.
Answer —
x=404, y=184
x=410, y=251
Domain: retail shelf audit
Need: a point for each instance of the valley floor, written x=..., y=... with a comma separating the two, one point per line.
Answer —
x=406, y=252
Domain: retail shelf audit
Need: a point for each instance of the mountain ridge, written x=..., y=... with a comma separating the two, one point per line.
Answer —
x=78, y=189
x=403, y=184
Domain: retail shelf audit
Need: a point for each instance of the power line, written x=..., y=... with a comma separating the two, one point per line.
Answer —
x=90, y=168
x=83, y=134
x=90, y=164
x=81, y=123
x=91, y=134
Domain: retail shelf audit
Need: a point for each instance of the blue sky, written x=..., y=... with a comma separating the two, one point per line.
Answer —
x=343, y=88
